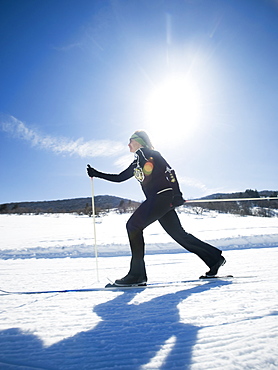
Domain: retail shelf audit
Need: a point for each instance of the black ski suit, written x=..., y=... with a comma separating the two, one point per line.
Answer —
x=160, y=186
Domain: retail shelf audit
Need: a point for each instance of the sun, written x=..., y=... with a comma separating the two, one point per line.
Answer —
x=173, y=109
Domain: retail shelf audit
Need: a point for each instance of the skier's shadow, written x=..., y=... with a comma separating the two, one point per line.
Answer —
x=128, y=336
x=131, y=335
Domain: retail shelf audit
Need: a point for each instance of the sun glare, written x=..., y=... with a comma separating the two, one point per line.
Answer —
x=173, y=109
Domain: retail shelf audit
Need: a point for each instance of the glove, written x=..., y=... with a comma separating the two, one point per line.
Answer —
x=178, y=201
x=91, y=171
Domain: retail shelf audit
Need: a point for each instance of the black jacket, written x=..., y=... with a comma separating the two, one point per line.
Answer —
x=153, y=173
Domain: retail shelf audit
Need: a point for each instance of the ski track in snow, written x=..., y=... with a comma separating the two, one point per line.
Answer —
x=215, y=324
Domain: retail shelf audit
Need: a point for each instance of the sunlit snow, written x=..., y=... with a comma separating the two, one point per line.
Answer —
x=215, y=324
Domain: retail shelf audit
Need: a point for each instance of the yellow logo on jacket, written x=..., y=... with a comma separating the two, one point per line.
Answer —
x=139, y=174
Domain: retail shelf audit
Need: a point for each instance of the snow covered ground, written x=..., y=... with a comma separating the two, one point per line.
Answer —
x=215, y=324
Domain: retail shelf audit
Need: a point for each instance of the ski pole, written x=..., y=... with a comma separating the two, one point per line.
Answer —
x=227, y=200
x=94, y=223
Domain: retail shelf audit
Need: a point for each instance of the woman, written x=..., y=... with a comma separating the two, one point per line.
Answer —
x=161, y=188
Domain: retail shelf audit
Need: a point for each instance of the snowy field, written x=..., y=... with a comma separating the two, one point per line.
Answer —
x=228, y=323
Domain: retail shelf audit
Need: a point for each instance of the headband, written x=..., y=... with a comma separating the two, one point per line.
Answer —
x=139, y=140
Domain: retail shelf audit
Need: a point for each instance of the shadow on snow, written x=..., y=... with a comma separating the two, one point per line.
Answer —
x=128, y=336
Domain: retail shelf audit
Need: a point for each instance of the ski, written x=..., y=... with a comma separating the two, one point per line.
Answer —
x=6, y=292
x=203, y=277
x=181, y=283
x=106, y=288
x=195, y=282
x=101, y=289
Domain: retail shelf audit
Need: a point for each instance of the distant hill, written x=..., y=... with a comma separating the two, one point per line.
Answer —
x=106, y=202
x=254, y=207
x=79, y=205
x=249, y=193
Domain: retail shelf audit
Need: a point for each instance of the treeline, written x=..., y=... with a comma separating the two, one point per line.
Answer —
x=264, y=208
x=103, y=204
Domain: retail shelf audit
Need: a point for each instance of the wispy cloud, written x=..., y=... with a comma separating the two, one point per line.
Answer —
x=194, y=183
x=68, y=47
x=203, y=189
x=124, y=161
x=60, y=145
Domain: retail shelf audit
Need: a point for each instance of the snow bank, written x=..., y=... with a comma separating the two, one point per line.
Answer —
x=68, y=235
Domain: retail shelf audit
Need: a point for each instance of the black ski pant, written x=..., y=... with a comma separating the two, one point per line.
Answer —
x=159, y=208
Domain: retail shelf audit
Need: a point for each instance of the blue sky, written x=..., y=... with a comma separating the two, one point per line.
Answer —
x=79, y=77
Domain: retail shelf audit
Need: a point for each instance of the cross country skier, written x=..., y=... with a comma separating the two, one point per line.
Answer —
x=161, y=188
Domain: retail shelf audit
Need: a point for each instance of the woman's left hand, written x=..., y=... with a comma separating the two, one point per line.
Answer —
x=178, y=201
